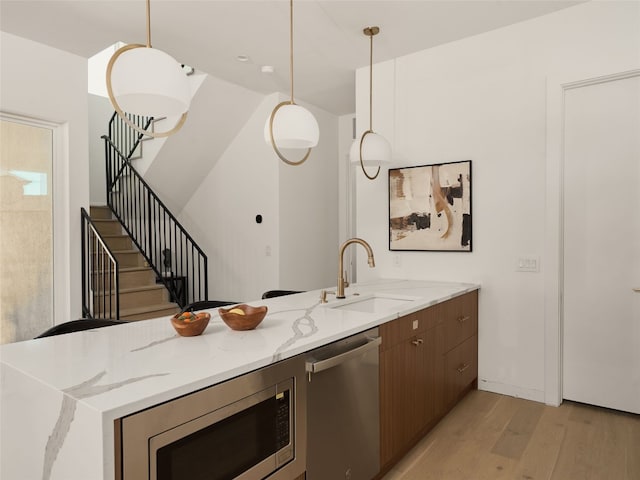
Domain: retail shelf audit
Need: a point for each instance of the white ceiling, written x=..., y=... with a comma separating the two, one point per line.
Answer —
x=209, y=34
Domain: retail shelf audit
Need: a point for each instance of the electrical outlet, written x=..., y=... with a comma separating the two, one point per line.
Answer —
x=396, y=261
x=528, y=263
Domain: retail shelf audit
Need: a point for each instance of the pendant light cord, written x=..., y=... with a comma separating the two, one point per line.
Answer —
x=148, y=23
x=371, y=83
x=291, y=46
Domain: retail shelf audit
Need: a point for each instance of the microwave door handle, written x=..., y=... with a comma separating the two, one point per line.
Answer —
x=320, y=365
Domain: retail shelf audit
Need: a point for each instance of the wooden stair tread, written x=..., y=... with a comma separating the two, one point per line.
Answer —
x=148, y=308
x=115, y=235
x=141, y=288
x=123, y=270
x=133, y=269
x=131, y=250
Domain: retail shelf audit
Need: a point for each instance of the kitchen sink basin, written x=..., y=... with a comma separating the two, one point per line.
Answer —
x=372, y=303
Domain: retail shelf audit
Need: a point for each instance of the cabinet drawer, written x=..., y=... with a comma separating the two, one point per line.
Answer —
x=461, y=319
x=406, y=327
x=461, y=368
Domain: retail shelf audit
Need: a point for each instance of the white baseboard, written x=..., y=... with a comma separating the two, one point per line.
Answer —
x=511, y=390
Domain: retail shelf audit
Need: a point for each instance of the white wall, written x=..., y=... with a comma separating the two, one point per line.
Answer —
x=484, y=99
x=297, y=203
x=308, y=196
x=96, y=69
x=221, y=215
x=41, y=82
x=100, y=112
x=218, y=110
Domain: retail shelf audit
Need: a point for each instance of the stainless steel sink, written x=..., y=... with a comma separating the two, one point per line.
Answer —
x=372, y=303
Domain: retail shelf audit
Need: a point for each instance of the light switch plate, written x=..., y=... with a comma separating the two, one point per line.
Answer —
x=415, y=324
x=528, y=263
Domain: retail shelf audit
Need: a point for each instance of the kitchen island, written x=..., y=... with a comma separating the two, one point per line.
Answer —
x=61, y=395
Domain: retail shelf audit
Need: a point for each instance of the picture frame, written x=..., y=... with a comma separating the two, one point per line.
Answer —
x=430, y=207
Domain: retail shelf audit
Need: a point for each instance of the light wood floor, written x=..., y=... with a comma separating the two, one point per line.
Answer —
x=494, y=437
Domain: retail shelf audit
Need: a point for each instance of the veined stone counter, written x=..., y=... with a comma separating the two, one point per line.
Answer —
x=60, y=395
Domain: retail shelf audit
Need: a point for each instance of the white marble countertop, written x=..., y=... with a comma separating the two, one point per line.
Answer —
x=115, y=371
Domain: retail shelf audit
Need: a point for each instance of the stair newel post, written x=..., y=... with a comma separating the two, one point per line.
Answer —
x=100, y=284
x=83, y=232
x=192, y=280
x=99, y=301
x=117, y=290
x=206, y=278
x=107, y=279
x=108, y=169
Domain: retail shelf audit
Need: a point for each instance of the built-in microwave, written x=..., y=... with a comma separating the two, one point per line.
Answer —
x=250, y=427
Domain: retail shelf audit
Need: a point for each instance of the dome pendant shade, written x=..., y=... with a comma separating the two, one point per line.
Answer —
x=147, y=81
x=376, y=150
x=293, y=127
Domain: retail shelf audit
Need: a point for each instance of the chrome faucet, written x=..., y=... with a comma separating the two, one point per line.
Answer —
x=343, y=247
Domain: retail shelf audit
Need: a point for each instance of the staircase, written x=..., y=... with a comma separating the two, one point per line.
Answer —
x=140, y=297
x=138, y=261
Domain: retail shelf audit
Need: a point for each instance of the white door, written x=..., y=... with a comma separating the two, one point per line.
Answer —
x=601, y=340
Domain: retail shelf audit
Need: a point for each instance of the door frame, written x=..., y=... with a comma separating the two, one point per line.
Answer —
x=59, y=209
x=557, y=89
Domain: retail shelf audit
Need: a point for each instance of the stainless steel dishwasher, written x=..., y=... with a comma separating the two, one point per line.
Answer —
x=343, y=414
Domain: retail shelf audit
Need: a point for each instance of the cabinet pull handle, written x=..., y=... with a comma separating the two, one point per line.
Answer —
x=463, y=367
x=417, y=341
x=463, y=319
x=637, y=290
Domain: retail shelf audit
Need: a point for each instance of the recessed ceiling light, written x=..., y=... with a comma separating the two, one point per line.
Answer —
x=266, y=69
x=242, y=58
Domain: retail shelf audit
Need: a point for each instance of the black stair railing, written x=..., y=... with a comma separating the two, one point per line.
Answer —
x=125, y=138
x=168, y=248
x=100, y=274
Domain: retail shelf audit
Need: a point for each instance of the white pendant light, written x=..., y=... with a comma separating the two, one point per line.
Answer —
x=147, y=81
x=376, y=150
x=290, y=125
x=371, y=149
x=142, y=80
x=293, y=127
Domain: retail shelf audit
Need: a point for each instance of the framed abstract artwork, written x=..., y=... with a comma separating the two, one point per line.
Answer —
x=430, y=207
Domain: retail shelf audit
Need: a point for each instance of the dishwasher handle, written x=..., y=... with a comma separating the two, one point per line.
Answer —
x=320, y=365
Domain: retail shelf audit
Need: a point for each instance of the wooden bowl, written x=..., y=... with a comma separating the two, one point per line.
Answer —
x=190, y=324
x=237, y=321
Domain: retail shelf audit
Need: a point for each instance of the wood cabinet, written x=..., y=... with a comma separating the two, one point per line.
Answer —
x=428, y=360
x=409, y=369
x=460, y=323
